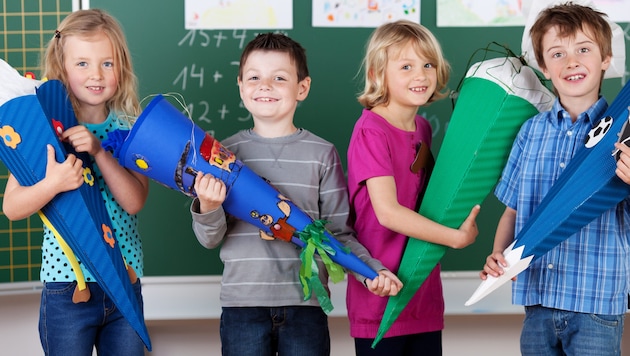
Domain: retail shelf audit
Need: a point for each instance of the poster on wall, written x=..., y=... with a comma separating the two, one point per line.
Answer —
x=363, y=13
x=491, y=13
x=238, y=14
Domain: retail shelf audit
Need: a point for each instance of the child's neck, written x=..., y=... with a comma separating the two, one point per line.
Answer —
x=274, y=129
x=576, y=106
x=92, y=115
x=403, y=118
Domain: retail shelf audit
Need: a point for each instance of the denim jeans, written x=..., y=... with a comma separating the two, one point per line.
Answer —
x=263, y=331
x=68, y=329
x=557, y=332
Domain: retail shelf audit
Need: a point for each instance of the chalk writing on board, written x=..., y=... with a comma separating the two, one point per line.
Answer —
x=193, y=73
x=204, y=39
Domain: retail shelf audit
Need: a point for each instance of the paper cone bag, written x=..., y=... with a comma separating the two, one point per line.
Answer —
x=496, y=97
x=169, y=148
x=78, y=217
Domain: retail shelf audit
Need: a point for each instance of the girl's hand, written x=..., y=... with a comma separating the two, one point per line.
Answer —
x=468, y=230
x=386, y=284
x=210, y=191
x=65, y=176
x=82, y=140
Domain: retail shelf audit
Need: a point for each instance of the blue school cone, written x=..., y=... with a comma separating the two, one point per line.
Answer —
x=77, y=217
x=169, y=148
x=585, y=190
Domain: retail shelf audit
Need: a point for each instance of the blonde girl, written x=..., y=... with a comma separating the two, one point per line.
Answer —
x=88, y=54
x=404, y=69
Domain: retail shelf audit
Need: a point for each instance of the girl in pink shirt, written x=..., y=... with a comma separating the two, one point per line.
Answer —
x=404, y=70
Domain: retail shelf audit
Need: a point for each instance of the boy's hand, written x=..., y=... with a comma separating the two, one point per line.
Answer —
x=386, y=284
x=210, y=191
x=82, y=140
x=494, y=266
x=468, y=231
x=623, y=164
x=64, y=176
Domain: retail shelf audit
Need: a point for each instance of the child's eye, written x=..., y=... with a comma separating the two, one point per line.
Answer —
x=584, y=50
x=108, y=64
x=253, y=78
x=429, y=65
x=406, y=67
x=556, y=55
x=82, y=64
x=280, y=79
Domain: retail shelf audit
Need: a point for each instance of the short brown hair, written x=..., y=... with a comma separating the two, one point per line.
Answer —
x=569, y=18
x=277, y=42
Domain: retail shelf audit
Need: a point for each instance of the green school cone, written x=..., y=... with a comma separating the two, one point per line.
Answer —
x=496, y=98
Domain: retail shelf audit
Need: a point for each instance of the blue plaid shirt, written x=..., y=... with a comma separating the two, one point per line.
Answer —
x=590, y=271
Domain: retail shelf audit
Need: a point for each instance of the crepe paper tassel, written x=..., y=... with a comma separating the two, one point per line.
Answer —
x=316, y=241
x=76, y=216
x=496, y=97
x=584, y=191
x=169, y=148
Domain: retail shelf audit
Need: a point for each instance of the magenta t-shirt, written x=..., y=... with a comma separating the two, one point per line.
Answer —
x=379, y=149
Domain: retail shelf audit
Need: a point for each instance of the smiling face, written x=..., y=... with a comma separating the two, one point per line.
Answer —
x=574, y=64
x=269, y=86
x=411, y=78
x=89, y=66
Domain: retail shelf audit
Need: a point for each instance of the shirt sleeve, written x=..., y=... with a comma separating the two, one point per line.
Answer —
x=209, y=228
x=506, y=190
x=334, y=208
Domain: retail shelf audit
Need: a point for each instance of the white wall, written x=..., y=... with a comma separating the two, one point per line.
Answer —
x=182, y=318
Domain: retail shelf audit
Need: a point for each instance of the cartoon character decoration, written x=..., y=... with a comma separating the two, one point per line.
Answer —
x=278, y=229
x=185, y=149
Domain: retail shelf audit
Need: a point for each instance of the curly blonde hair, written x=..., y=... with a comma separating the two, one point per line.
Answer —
x=86, y=23
x=396, y=35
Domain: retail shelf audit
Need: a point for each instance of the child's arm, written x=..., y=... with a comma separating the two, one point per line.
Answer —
x=209, y=223
x=21, y=202
x=504, y=236
x=130, y=189
x=392, y=215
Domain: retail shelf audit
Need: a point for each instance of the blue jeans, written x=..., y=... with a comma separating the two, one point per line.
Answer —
x=68, y=329
x=265, y=331
x=558, y=332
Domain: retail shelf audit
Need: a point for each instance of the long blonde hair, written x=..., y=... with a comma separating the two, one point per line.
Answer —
x=85, y=23
x=397, y=34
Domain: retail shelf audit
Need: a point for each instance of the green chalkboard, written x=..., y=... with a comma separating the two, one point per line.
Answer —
x=26, y=28
x=202, y=65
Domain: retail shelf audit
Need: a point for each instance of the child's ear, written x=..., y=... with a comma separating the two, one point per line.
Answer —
x=606, y=62
x=304, y=87
x=545, y=72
